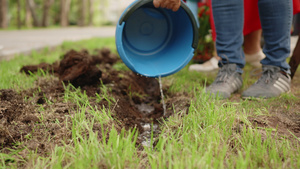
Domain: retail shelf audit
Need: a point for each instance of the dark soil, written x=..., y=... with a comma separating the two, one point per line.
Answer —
x=39, y=118
x=30, y=117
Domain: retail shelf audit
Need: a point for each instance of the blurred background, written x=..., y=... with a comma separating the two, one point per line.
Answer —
x=23, y=14
x=81, y=20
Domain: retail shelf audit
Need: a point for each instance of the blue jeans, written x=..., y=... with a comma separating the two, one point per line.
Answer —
x=276, y=20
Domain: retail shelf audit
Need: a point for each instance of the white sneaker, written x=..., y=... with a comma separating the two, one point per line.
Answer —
x=212, y=64
x=209, y=65
x=254, y=59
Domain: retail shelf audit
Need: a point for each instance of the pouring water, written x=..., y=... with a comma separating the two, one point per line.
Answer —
x=162, y=96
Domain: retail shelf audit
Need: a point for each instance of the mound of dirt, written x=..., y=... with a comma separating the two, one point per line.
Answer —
x=78, y=68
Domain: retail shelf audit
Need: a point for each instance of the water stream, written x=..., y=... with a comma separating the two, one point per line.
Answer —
x=162, y=96
x=148, y=127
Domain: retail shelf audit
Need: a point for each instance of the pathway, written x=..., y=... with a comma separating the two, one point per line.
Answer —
x=24, y=41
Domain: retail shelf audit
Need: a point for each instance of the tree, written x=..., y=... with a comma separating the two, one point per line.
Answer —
x=19, y=22
x=3, y=13
x=82, y=12
x=46, y=7
x=64, y=12
x=91, y=12
x=32, y=8
x=28, y=18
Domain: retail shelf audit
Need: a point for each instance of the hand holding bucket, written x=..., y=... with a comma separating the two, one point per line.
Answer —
x=156, y=41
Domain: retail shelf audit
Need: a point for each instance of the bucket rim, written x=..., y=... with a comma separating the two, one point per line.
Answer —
x=139, y=3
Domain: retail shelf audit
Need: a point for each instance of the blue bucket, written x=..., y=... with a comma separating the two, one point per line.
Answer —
x=156, y=42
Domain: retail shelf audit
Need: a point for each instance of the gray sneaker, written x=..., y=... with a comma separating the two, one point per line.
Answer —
x=227, y=81
x=272, y=83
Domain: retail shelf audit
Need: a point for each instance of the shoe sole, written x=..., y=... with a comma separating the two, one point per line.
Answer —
x=261, y=98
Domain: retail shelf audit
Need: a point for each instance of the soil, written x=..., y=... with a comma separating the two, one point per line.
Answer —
x=40, y=118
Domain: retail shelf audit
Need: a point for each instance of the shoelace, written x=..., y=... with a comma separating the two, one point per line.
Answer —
x=268, y=75
x=223, y=74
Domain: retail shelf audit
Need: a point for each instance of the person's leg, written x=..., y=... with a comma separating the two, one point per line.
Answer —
x=252, y=36
x=252, y=42
x=276, y=19
x=252, y=48
x=296, y=24
x=229, y=21
x=295, y=59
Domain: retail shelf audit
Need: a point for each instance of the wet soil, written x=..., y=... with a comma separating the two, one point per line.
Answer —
x=40, y=118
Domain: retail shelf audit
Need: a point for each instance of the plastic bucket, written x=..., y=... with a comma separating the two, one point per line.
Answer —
x=154, y=41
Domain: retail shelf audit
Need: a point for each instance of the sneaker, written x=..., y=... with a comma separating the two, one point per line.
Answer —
x=227, y=82
x=210, y=65
x=272, y=83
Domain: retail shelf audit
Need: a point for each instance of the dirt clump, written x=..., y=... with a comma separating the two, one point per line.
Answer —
x=78, y=68
x=46, y=67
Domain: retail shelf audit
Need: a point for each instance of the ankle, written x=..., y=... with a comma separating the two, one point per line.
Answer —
x=255, y=57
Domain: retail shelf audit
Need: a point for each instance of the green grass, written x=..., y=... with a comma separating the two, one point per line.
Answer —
x=214, y=133
x=204, y=139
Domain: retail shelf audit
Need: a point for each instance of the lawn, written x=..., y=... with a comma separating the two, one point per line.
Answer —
x=51, y=120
